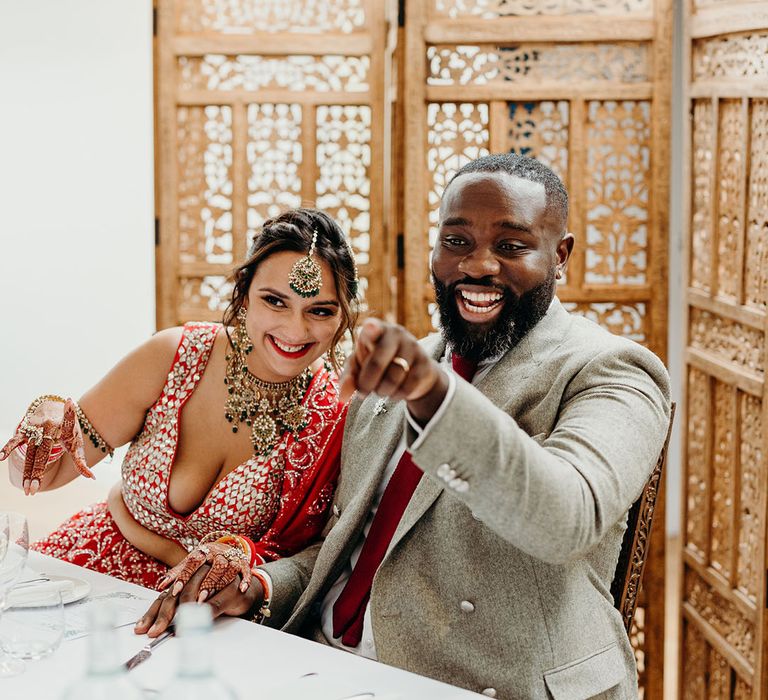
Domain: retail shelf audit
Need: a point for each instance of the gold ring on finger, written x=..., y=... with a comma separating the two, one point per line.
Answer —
x=403, y=363
x=33, y=433
x=234, y=554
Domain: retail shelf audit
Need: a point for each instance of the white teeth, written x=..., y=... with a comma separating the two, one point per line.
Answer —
x=481, y=296
x=288, y=348
x=479, y=309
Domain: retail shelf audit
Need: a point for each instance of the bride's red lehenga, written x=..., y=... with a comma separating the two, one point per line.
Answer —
x=279, y=500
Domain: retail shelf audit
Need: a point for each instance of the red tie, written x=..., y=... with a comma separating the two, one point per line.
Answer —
x=349, y=609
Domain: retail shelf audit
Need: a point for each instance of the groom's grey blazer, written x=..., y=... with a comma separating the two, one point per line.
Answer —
x=500, y=570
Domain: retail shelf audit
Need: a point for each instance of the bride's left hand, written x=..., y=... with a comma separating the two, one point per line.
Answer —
x=226, y=563
x=230, y=600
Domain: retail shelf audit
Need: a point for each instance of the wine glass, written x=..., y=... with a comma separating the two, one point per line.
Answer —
x=14, y=547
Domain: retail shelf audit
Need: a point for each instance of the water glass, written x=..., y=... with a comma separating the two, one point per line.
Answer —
x=33, y=627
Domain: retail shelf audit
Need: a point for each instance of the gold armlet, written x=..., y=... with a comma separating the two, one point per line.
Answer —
x=91, y=433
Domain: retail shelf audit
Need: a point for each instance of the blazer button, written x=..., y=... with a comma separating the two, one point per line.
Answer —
x=336, y=510
x=467, y=606
x=490, y=692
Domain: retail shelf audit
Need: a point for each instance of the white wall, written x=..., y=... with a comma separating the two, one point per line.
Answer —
x=76, y=228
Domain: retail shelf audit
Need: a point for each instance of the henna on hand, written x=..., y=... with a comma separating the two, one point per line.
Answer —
x=225, y=567
x=226, y=562
x=72, y=439
x=12, y=444
x=50, y=424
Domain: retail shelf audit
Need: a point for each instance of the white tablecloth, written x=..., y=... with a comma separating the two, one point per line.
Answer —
x=251, y=658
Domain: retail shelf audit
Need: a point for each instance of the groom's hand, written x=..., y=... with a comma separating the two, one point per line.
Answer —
x=388, y=361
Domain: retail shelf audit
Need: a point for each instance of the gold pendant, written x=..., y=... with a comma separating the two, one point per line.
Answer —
x=263, y=434
x=294, y=418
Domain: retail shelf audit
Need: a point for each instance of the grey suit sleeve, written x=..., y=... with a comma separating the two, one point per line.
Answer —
x=290, y=577
x=557, y=499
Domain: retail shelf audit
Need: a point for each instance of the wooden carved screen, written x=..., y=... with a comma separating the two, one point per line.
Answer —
x=584, y=86
x=724, y=569
x=264, y=105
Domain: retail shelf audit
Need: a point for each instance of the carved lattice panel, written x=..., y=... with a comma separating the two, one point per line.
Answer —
x=628, y=320
x=731, y=56
x=514, y=75
x=703, y=166
x=721, y=517
x=273, y=105
x=540, y=130
x=491, y=9
x=205, y=184
x=292, y=73
x=756, y=261
x=529, y=64
x=731, y=201
x=694, y=671
x=343, y=183
x=274, y=161
x=725, y=472
x=753, y=485
x=457, y=134
x=617, y=173
x=269, y=16
x=697, y=487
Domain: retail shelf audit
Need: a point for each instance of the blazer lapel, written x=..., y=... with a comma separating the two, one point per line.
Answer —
x=520, y=362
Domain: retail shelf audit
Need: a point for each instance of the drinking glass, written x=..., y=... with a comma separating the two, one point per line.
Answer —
x=32, y=625
x=14, y=547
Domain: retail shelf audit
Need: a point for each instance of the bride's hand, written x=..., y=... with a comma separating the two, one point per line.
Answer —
x=230, y=600
x=52, y=425
x=227, y=562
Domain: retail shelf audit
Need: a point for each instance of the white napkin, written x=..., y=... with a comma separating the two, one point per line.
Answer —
x=37, y=592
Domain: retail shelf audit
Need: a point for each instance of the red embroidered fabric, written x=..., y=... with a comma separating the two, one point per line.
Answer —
x=280, y=500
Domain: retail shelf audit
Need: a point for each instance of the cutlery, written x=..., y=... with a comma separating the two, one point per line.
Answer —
x=29, y=581
x=146, y=651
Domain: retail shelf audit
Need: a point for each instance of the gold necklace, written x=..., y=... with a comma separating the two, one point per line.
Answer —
x=269, y=409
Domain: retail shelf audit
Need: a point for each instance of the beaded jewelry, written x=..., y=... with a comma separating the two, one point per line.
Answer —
x=268, y=409
x=306, y=277
x=91, y=433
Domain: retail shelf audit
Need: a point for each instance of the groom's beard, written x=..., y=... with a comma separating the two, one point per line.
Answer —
x=480, y=341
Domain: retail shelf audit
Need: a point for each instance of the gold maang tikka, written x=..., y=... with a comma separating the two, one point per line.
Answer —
x=306, y=277
x=268, y=409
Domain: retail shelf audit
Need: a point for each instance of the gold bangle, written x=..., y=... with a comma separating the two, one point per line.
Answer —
x=93, y=435
x=215, y=536
x=41, y=399
x=263, y=613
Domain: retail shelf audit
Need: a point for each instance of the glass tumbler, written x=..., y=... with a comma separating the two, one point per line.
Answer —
x=32, y=624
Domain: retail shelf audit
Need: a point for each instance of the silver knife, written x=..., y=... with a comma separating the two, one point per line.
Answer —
x=146, y=651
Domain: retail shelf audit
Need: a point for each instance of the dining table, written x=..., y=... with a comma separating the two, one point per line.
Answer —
x=255, y=661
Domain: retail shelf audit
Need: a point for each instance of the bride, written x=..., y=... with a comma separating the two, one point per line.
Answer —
x=235, y=428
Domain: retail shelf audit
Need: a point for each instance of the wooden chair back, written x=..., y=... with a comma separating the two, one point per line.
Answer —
x=625, y=588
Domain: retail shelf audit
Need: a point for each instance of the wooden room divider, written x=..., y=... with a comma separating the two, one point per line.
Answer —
x=583, y=85
x=262, y=106
x=724, y=652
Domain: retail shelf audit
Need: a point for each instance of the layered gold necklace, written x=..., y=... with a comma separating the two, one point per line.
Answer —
x=268, y=409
